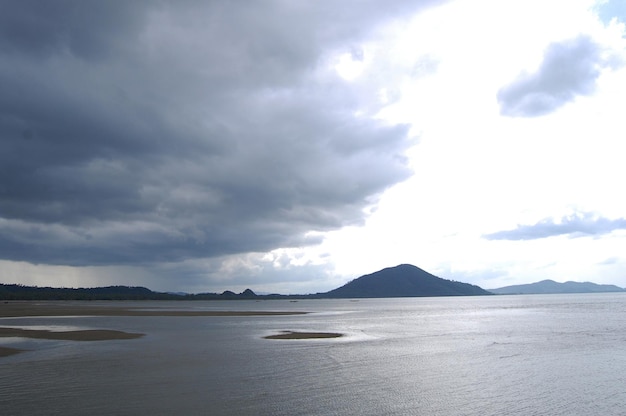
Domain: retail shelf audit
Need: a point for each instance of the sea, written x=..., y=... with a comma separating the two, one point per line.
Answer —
x=487, y=355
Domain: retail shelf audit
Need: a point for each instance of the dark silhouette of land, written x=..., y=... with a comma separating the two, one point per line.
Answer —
x=6, y=351
x=303, y=335
x=404, y=280
x=20, y=292
x=552, y=287
x=79, y=335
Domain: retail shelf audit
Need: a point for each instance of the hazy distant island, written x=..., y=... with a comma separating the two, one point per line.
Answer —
x=552, y=287
x=404, y=280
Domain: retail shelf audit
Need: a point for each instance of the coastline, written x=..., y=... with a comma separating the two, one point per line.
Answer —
x=14, y=309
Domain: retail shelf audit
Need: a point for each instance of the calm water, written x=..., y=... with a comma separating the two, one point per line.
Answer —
x=504, y=355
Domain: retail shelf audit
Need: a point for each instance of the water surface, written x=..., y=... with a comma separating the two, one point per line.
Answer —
x=513, y=355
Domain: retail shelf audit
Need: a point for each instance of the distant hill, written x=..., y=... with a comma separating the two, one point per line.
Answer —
x=550, y=286
x=21, y=292
x=404, y=280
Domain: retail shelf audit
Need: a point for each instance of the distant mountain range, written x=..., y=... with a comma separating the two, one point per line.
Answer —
x=20, y=292
x=550, y=286
x=404, y=280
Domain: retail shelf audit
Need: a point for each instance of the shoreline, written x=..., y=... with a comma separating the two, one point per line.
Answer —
x=16, y=309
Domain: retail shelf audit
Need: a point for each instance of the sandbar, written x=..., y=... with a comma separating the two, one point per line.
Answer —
x=79, y=335
x=15, y=309
x=6, y=351
x=303, y=335
x=28, y=308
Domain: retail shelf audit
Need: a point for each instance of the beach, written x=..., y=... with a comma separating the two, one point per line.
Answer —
x=60, y=308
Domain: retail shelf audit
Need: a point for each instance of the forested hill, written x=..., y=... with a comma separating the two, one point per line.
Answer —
x=20, y=292
x=404, y=280
x=550, y=286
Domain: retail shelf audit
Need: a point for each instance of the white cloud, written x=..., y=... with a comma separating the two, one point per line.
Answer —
x=576, y=225
x=569, y=69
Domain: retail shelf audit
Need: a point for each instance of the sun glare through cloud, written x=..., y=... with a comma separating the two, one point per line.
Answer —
x=350, y=66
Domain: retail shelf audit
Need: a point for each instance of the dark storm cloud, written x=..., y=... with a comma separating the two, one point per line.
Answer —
x=569, y=69
x=83, y=28
x=582, y=224
x=140, y=132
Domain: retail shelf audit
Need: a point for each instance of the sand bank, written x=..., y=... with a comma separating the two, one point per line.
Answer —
x=303, y=335
x=51, y=308
x=79, y=335
x=6, y=351
x=26, y=308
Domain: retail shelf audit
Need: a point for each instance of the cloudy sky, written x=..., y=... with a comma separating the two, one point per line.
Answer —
x=291, y=146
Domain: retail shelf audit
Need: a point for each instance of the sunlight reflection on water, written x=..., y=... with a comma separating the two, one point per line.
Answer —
x=556, y=355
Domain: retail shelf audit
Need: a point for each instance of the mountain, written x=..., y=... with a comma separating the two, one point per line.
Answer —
x=550, y=286
x=404, y=280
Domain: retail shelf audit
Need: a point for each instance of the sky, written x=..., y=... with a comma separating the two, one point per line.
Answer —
x=292, y=146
